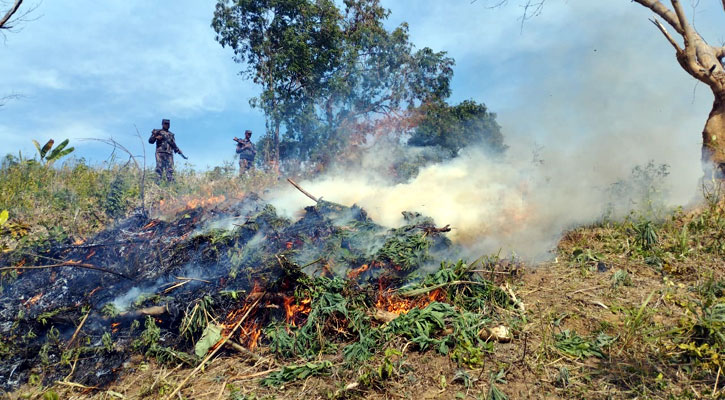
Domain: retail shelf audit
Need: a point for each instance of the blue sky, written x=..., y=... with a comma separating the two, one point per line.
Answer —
x=583, y=74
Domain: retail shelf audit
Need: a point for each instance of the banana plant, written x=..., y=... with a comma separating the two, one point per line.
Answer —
x=48, y=154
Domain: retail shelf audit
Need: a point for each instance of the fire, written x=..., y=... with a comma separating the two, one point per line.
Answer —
x=389, y=301
x=250, y=335
x=114, y=326
x=356, y=272
x=436, y=295
x=151, y=224
x=293, y=311
x=78, y=242
x=211, y=201
x=250, y=330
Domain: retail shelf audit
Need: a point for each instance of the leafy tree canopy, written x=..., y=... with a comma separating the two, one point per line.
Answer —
x=455, y=127
x=333, y=76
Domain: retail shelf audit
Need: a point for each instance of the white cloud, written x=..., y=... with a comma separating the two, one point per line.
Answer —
x=50, y=79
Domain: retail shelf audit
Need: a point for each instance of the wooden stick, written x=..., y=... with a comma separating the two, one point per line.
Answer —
x=69, y=264
x=221, y=392
x=78, y=329
x=175, y=285
x=207, y=358
x=254, y=375
x=717, y=380
x=77, y=385
x=306, y=193
x=182, y=278
x=236, y=346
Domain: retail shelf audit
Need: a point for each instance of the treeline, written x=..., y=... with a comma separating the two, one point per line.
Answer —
x=333, y=78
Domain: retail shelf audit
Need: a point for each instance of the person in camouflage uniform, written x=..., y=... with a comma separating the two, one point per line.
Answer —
x=246, y=151
x=165, y=149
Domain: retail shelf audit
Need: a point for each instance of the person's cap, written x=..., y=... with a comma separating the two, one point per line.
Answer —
x=247, y=132
x=164, y=121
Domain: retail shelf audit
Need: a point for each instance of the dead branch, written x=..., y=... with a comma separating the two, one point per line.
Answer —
x=78, y=329
x=417, y=292
x=306, y=193
x=74, y=264
x=241, y=349
x=207, y=358
x=662, y=29
x=9, y=14
x=254, y=375
x=665, y=13
x=77, y=385
x=429, y=230
x=182, y=278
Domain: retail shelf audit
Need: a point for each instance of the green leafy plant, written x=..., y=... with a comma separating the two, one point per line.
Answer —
x=48, y=154
x=646, y=235
x=571, y=344
x=621, y=278
x=291, y=373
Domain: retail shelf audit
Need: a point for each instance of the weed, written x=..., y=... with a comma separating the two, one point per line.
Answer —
x=621, y=278
x=646, y=235
x=573, y=345
x=291, y=373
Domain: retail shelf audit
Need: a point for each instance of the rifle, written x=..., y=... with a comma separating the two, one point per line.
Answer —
x=157, y=133
x=245, y=145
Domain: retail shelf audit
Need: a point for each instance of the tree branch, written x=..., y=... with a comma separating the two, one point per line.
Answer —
x=694, y=67
x=665, y=13
x=662, y=29
x=9, y=14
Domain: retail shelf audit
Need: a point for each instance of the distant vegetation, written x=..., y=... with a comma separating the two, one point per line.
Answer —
x=333, y=77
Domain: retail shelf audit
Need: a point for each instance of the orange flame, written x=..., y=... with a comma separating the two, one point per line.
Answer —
x=250, y=335
x=294, y=311
x=356, y=272
x=389, y=301
x=211, y=201
x=114, y=326
x=151, y=224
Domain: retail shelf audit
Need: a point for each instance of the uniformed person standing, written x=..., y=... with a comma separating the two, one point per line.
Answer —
x=246, y=151
x=165, y=149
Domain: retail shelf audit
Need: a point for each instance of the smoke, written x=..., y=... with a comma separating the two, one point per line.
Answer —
x=573, y=132
x=582, y=102
x=580, y=111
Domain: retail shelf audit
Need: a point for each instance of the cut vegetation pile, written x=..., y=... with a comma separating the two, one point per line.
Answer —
x=236, y=276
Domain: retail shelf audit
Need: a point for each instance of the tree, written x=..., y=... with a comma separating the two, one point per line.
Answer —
x=288, y=45
x=456, y=127
x=704, y=63
x=331, y=76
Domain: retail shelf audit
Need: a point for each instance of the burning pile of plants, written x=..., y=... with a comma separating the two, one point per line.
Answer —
x=236, y=275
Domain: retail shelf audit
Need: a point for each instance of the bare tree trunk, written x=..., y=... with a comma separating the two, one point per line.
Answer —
x=713, y=140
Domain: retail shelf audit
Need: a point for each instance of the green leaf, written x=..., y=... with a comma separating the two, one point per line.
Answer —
x=60, y=155
x=212, y=334
x=55, y=154
x=3, y=217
